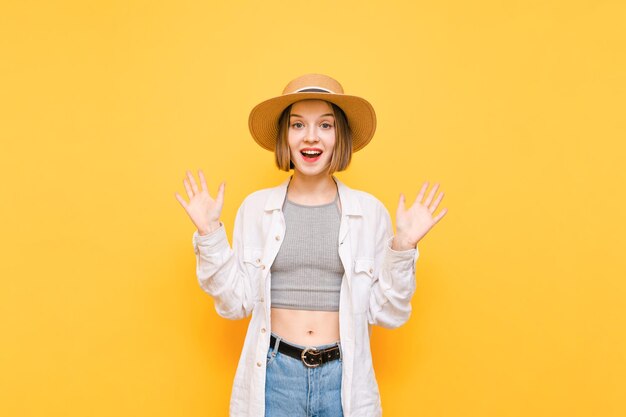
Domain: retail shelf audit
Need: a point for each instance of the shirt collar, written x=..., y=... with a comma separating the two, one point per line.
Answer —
x=349, y=204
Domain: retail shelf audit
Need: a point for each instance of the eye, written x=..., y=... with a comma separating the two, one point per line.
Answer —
x=298, y=125
x=326, y=125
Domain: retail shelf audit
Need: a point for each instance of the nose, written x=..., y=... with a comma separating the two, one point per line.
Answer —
x=313, y=139
x=311, y=135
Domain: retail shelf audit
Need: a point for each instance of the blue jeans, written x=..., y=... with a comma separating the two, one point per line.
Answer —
x=293, y=390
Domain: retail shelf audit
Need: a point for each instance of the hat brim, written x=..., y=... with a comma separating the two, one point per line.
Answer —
x=263, y=120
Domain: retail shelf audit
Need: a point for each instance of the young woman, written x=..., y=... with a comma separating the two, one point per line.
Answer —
x=314, y=261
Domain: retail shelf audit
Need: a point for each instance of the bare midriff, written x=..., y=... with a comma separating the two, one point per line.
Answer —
x=304, y=327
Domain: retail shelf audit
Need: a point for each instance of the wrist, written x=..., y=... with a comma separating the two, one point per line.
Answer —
x=208, y=229
x=401, y=243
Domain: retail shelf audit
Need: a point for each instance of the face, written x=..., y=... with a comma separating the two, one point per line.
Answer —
x=311, y=136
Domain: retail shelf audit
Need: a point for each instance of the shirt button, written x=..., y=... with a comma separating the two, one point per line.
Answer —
x=262, y=300
x=262, y=266
x=258, y=261
x=263, y=330
x=371, y=271
x=258, y=364
x=277, y=237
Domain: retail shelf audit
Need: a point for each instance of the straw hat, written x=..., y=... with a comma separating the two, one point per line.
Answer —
x=263, y=120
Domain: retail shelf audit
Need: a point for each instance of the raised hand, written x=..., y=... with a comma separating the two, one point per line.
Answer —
x=413, y=223
x=203, y=210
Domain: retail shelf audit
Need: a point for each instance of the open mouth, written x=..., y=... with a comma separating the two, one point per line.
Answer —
x=311, y=155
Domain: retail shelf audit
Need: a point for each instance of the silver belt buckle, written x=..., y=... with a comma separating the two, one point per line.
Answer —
x=313, y=351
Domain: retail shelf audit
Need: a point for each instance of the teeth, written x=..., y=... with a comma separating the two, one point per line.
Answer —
x=311, y=153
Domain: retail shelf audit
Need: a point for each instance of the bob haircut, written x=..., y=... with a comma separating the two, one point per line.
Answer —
x=342, y=153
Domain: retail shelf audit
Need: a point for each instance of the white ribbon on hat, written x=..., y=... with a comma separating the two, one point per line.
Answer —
x=313, y=87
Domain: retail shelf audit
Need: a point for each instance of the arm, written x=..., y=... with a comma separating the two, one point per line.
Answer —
x=222, y=272
x=394, y=282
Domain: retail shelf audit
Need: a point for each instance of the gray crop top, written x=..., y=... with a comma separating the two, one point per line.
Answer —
x=307, y=271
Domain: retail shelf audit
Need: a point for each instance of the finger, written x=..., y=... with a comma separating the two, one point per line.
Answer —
x=435, y=204
x=192, y=181
x=431, y=194
x=420, y=195
x=202, y=181
x=181, y=200
x=440, y=215
x=220, y=195
x=188, y=188
x=401, y=202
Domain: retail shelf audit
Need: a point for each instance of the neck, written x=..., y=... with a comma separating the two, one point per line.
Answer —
x=305, y=189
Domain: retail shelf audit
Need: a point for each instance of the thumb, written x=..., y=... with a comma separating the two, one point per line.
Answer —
x=220, y=195
x=401, y=201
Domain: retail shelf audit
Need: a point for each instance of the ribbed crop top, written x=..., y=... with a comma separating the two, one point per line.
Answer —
x=307, y=271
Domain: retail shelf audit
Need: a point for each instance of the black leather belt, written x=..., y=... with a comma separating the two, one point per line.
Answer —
x=311, y=357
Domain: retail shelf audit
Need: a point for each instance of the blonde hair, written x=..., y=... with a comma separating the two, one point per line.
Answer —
x=342, y=153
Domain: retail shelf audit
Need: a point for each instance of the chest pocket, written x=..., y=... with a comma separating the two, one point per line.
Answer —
x=362, y=280
x=253, y=268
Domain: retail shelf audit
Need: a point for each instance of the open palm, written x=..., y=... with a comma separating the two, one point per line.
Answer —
x=203, y=210
x=413, y=223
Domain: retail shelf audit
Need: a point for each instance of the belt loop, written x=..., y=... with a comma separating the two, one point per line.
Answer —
x=340, y=350
x=276, y=344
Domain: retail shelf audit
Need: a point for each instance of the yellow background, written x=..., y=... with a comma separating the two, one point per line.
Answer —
x=515, y=107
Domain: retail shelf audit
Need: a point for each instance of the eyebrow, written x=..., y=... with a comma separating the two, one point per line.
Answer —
x=323, y=115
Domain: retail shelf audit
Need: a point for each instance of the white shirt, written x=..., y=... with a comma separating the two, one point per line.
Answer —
x=376, y=289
